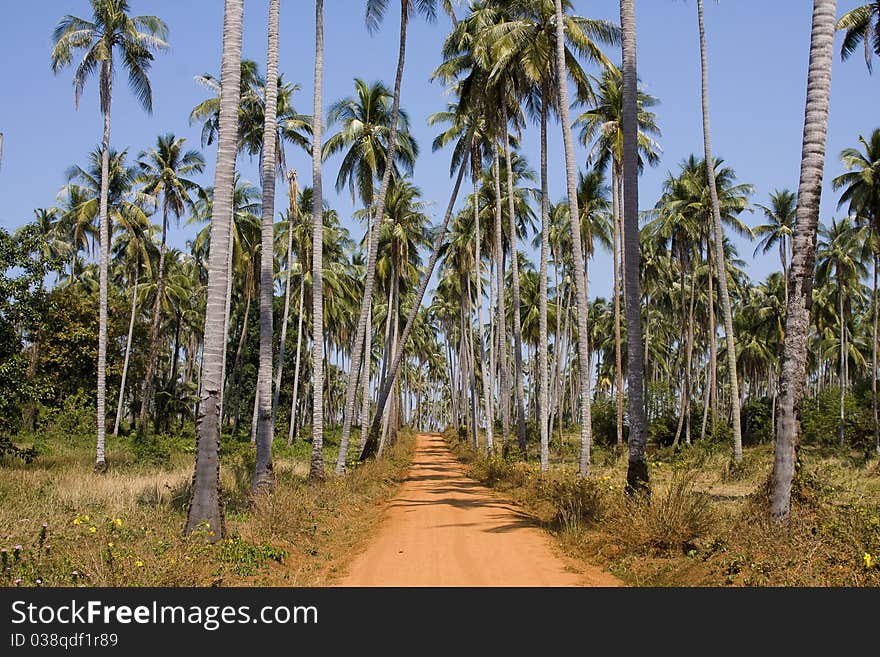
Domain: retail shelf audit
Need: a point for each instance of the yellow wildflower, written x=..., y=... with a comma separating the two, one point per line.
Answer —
x=110, y=545
x=139, y=563
x=92, y=529
x=86, y=518
x=869, y=560
x=77, y=521
x=117, y=522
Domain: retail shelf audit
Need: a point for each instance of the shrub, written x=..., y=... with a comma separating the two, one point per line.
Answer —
x=667, y=521
x=575, y=502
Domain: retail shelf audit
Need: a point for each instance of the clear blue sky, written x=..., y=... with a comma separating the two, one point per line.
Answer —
x=758, y=54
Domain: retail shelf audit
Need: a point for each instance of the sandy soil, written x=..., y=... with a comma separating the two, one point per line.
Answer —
x=444, y=529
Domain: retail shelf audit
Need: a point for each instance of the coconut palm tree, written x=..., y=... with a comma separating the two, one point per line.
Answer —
x=797, y=321
x=135, y=39
x=861, y=190
x=365, y=122
x=862, y=26
x=718, y=234
x=777, y=232
x=264, y=478
x=316, y=464
x=164, y=172
x=204, y=507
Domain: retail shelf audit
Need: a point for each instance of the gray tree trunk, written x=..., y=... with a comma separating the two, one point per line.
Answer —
x=204, y=507
x=501, y=321
x=543, y=355
x=618, y=246
x=720, y=258
x=119, y=404
x=282, y=343
x=797, y=320
x=487, y=373
x=580, y=278
x=360, y=336
x=299, y=340
x=316, y=465
x=104, y=227
x=264, y=477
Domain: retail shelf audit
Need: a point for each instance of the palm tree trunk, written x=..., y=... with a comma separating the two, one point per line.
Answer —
x=282, y=343
x=372, y=440
x=478, y=260
x=543, y=349
x=119, y=404
x=580, y=278
x=514, y=267
x=797, y=327
x=874, y=346
x=501, y=321
x=264, y=478
x=204, y=507
x=299, y=322
x=841, y=378
x=228, y=314
x=365, y=383
x=637, y=472
x=360, y=337
x=316, y=465
x=618, y=358
x=720, y=257
x=147, y=391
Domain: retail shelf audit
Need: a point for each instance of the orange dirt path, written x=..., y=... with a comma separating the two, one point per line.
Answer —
x=444, y=529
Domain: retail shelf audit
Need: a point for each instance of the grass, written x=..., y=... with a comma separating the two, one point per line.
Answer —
x=705, y=522
x=63, y=525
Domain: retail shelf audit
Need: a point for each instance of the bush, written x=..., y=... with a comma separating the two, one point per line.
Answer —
x=669, y=521
x=575, y=502
x=757, y=421
x=821, y=418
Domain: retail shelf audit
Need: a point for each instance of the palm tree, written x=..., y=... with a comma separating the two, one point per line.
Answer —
x=365, y=121
x=861, y=190
x=204, y=507
x=780, y=215
x=577, y=248
x=136, y=39
x=263, y=475
x=862, y=26
x=797, y=320
x=375, y=11
x=163, y=172
x=602, y=126
x=316, y=464
x=723, y=291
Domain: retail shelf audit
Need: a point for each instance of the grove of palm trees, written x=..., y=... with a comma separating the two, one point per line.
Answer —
x=227, y=343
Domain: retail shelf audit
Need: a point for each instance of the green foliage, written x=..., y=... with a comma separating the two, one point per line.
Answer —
x=821, y=418
x=757, y=421
x=576, y=502
x=245, y=558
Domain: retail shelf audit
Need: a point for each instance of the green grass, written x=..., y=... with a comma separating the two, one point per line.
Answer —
x=124, y=527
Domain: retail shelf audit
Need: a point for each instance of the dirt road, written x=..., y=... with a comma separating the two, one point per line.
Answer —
x=444, y=529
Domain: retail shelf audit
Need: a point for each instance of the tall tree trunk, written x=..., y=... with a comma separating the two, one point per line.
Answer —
x=264, y=477
x=360, y=337
x=119, y=404
x=292, y=215
x=580, y=277
x=874, y=349
x=618, y=347
x=514, y=273
x=501, y=314
x=149, y=376
x=476, y=166
x=720, y=257
x=227, y=315
x=299, y=340
x=365, y=383
x=543, y=349
x=797, y=319
x=371, y=445
x=104, y=264
x=637, y=471
x=841, y=379
x=316, y=465
x=204, y=507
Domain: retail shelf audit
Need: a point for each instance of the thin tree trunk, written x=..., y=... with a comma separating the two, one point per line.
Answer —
x=580, y=278
x=365, y=382
x=147, y=390
x=874, y=348
x=227, y=314
x=371, y=445
x=299, y=323
x=720, y=257
x=360, y=337
x=478, y=258
x=618, y=358
x=264, y=477
x=316, y=465
x=841, y=379
x=204, y=509
x=637, y=472
x=543, y=349
x=119, y=404
x=292, y=214
x=797, y=327
x=514, y=272
x=501, y=321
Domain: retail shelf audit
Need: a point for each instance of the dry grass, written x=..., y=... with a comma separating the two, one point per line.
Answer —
x=124, y=527
x=705, y=522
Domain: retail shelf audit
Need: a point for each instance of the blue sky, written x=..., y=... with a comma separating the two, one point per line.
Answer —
x=758, y=55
